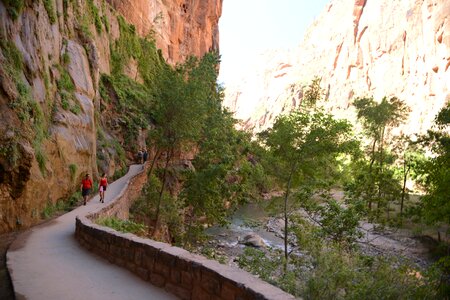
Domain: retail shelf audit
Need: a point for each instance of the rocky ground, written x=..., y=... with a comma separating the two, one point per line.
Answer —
x=399, y=243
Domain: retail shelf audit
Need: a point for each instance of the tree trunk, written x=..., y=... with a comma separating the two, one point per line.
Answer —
x=150, y=171
x=372, y=160
x=158, y=152
x=380, y=171
x=405, y=177
x=169, y=156
x=286, y=196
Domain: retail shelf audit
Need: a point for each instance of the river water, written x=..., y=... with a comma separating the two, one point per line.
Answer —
x=253, y=219
x=248, y=219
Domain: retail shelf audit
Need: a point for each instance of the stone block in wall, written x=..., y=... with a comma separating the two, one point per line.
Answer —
x=128, y=254
x=175, y=276
x=138, y=256
x=142, y=273
x=210, y=282
x=200, y=294
x=162, y=269
x=186, y=279
x=115, y=251
x=196, y=271
x=120, y=262
x=166, y=259
x=228, y=290
x=131, y=267
x=157, y=280
x=178, y=291
x=148, y=262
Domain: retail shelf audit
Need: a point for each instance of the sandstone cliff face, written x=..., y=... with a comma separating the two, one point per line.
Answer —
x=180, y=27
x=359, y=48
x=63, y=56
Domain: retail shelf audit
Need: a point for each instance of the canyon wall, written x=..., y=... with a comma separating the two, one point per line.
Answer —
x=180, y=27
x=52, y=57
x=359, y=48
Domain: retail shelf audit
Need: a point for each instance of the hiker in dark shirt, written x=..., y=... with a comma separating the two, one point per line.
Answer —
x=145, y=155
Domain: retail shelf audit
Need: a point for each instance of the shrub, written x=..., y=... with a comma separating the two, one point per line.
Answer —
x=123, y=225
x=48, y=4
x=14, y=7
x=73, y=171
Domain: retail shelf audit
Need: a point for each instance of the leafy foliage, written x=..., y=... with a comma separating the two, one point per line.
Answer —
x=303, y=148
x=374, y=175
x=49, y=7
x=14, y=7
x=327, y=271
x=27, y=109
x=334, y=221
x=123, y=225
x=436, y=171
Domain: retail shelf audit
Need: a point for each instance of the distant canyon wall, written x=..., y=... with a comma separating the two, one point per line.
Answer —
x=359, y=48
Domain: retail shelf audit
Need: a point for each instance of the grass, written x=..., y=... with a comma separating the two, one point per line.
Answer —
x=119, y=173
x=123, y=225
x=66, y=90
x=27, y=109
x=10, y=150
x=94, y=13
x=14, y=7
x=65, y=82
x=65, y=58
x=61, y=206
x=73, y=171
x=134, y=101
x=49, y=7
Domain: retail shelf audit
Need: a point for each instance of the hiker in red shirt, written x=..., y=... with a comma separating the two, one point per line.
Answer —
x=86, y=185
x=102, y=187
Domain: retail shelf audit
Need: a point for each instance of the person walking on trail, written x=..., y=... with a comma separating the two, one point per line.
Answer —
x=86, y=185
x=145, y=155
x=102, y=187
x=140, y=156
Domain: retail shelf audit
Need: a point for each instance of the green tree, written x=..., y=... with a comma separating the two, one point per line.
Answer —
x=436, y=170
x=303, y=148
x=180, y=116
x=374, y=181
x=408, y=157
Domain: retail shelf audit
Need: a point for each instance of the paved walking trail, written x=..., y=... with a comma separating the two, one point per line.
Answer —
x=46, y=262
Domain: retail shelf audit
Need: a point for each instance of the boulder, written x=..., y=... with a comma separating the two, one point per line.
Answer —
x=253, y=240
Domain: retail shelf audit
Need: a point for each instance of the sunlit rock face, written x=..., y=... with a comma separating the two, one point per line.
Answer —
x=359, y=48
x=180, y=27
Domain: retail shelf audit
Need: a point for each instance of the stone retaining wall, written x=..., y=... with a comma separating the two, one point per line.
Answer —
x=178, y=271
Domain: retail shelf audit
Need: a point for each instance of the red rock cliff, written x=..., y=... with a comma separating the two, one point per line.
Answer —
x=180, y=27
x=359, y=48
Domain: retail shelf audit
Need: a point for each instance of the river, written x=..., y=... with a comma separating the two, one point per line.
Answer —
x=252, y=219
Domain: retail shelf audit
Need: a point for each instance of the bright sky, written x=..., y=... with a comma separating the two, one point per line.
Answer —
x=249, y=27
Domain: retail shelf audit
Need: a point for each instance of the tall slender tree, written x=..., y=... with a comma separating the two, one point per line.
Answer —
x=303, y=147
x=378, y=119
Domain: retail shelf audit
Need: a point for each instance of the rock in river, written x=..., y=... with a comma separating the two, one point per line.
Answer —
x=254, y=240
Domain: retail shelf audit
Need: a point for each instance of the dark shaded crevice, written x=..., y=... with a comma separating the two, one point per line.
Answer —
x=6, y=287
